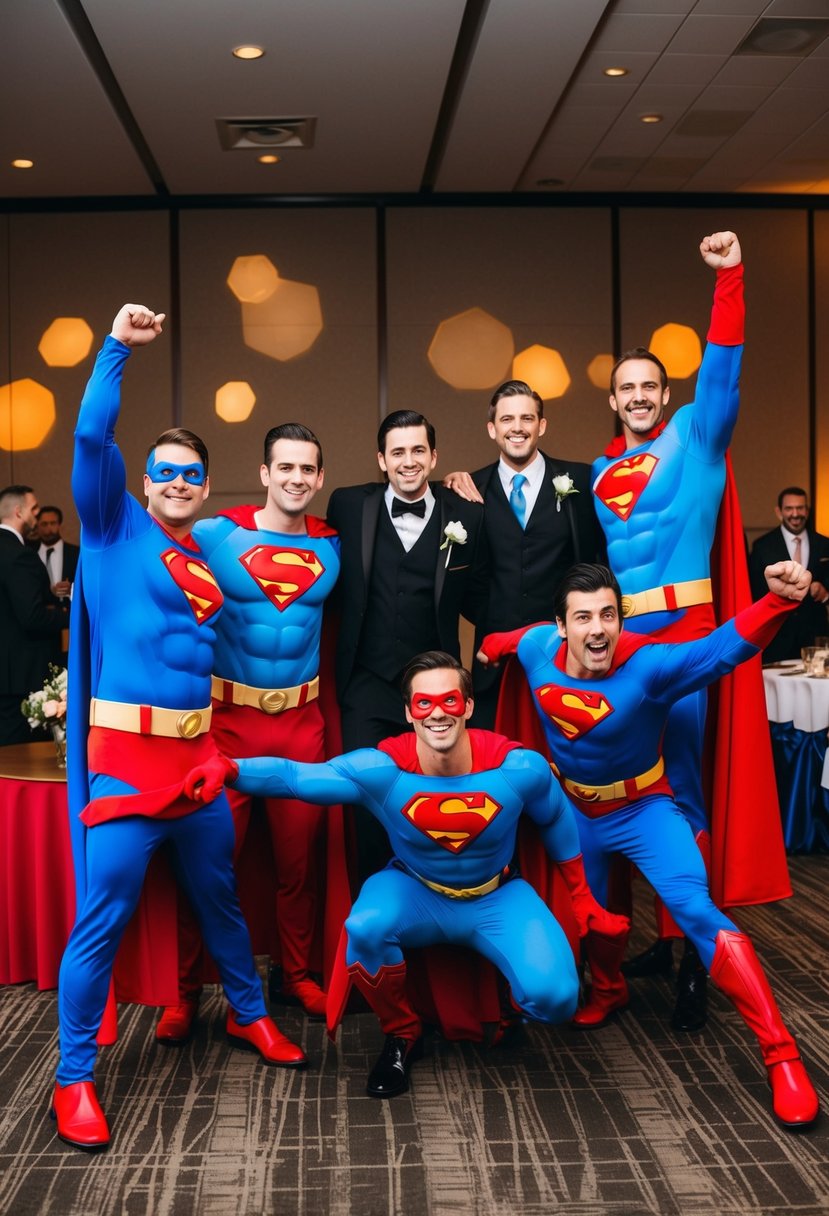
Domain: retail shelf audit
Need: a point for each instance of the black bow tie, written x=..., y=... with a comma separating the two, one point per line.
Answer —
x=399, y=507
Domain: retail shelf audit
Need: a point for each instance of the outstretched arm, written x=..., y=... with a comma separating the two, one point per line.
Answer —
x=687, y=666
x=717, y=397
x=98, y=473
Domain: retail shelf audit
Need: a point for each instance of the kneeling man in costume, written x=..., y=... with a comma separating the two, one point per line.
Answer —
x=450, y=799
x=603, y=696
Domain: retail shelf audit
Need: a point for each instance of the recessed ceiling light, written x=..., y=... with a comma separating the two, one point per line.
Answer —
x=616, y=71
x=268, y=160
x=22, y=163
x=650, y=118
x=248, y=52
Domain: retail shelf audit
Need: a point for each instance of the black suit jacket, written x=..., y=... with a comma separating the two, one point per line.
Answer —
x=31, y=619
x=809, y=620
x=460, y=588
x=71, y=553
x=524, y=571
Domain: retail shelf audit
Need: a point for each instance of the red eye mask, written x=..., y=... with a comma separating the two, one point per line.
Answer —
x=450, y=702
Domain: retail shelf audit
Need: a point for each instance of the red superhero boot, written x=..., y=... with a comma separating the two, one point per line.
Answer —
x=736, y=969
x=387, y=996
x=80, y=1120
x=264, y=1037
x=608, y=989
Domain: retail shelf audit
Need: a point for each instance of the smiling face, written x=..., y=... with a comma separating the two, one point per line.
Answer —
x=175, y=501
x=638, y=398
x=516, y=429
x=591, y=628
x=407, y=461
x=793, y=513
x=436, y=695
x=292, y=478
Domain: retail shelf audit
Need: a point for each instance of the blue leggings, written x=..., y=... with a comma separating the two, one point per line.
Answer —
x=117, y=856
x=511, y=926
x=682, y=746
x=655, y=835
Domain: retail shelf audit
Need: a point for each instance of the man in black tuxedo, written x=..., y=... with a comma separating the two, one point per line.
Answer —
x=31, y=619
x=59, y=556
x=404, y=582
x=796, y=540
x=539, y=521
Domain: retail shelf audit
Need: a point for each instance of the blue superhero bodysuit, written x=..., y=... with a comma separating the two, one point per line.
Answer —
x=658, y=504
x=268, y=638
x=609, y=730
x=457, y=833
x=604, y=735
x=151, y=604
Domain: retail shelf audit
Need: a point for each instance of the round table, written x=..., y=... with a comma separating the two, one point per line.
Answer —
x=798, y=711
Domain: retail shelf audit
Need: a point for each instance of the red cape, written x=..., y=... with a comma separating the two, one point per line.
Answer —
x=748, y=857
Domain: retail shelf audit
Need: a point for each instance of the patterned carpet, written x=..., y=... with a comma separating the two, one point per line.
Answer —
x=630, y=1120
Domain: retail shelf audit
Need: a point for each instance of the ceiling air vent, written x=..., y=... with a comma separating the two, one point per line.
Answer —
x=240, y=133
x=794, y=36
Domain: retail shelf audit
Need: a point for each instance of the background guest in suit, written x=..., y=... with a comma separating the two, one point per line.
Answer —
x=31, y=619
x=796, y=540
x=403, y=586
x=59, y=556
x=539, y=521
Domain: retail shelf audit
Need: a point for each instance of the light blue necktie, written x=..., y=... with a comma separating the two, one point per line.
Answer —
x=517, y=500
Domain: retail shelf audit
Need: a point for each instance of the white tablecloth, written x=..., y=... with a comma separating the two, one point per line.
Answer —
x=802, y=700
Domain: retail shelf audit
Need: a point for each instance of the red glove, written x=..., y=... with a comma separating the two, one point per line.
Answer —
x=206, y=781
x=589, y=914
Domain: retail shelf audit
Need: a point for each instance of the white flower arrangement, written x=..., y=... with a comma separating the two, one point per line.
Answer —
x=563, y=486
x=47, y=706
x=455, y=534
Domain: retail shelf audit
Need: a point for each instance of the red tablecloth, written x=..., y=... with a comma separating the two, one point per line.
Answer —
x=37, y=889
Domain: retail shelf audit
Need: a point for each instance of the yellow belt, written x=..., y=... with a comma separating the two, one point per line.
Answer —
x=618, y=789
x=465, y=892
x=150, y=719
x=668, y=598
x=269, y=700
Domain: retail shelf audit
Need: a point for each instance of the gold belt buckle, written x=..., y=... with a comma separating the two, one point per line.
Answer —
x=627, y=605
x=273, y=701
x=188, y=724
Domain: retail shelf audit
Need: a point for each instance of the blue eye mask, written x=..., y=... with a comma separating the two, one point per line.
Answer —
x=165, y=470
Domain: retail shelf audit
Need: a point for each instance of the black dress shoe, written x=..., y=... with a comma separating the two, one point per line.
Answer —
x=691, y=1010
x=658, y=959
x=390, y=1075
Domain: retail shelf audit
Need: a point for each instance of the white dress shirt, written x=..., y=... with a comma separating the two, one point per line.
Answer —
x=790, y=539
x=409, y=527
x=534, y=473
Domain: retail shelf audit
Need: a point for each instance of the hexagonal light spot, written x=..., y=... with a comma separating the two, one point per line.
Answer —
x=253, y=278
x=66, y=342
x=287, y=324
x=27, y=414
x=472, y=350
x=679, y=349
x=543, y=369
x=235, y=400
x=599, y=369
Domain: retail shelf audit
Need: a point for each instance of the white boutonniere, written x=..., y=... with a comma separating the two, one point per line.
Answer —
x=563, y=486
x=455, y=534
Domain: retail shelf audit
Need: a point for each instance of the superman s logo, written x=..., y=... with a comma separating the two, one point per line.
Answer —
x=196, y=581
x=452, y=820
x=621, y=484
x=574, y=711
x=283, y=575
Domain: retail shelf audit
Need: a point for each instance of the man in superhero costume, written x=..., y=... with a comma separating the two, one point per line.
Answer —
x=144, y=614
x=275, y=566
x=657, y=492
x=450, y=800
x=603, y=697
